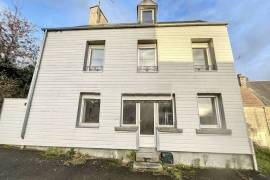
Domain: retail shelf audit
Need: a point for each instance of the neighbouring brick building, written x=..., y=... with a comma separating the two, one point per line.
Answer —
x=256, y=101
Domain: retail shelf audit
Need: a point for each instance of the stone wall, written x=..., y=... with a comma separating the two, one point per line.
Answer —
x=258, y=120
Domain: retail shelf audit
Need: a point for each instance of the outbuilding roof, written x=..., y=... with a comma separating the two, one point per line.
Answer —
x=262, y=90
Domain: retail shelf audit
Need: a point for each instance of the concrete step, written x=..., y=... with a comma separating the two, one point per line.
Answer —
x=147, y=155
x=147, y=150
x=141, y=166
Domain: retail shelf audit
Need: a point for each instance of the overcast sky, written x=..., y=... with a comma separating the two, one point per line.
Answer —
x=249, y=22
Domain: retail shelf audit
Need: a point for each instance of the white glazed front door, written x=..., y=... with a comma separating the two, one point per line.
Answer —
x=146, y=114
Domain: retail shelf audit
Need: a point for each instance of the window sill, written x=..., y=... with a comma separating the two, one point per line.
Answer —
x=92, y=71
x=217, y=131
x=205, y=70
x=127, y=128
x=147, y=69
x=169, y=130
x=88, y=126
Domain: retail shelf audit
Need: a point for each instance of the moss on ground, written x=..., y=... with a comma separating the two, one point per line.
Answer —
x=263, y=159
x=180, y=171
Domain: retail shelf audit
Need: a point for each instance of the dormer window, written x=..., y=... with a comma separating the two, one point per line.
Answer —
x=147, y=16
x=147, y=12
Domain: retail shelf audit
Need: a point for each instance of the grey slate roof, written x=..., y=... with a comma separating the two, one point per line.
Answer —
x=138, y=25
x=261, y=90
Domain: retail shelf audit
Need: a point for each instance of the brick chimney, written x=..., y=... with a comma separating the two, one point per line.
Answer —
x=97, y=16
x=242, y=80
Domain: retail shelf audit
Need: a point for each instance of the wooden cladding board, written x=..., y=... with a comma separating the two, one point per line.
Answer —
x=52, y=120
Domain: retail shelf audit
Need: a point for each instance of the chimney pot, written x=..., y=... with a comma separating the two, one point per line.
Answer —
x=242, y=81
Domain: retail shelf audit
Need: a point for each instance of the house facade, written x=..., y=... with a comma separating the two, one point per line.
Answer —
x=110, y=88
x=256, y=100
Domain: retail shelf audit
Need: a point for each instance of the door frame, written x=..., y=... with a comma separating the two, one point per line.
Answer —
x=145, y=97
x=154, y=136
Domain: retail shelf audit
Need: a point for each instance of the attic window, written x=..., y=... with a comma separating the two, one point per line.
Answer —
x=147, y=16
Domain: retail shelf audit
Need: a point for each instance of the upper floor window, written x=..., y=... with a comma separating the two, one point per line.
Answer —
x=147, y=16
x=95, y=56
x=147, y=56
x=203, y=56
x=210, y=111
x=89, y=110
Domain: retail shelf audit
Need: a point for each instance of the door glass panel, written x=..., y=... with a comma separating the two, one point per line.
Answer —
x=147, y=118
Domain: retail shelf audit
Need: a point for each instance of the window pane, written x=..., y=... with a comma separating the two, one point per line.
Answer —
x=147, y=118
x=91, y=111
x=97, y=57
x=129, y=112
x=207, y=111
x=147, y=16
x=147, y=57
x=200, y=57
x=165, y=113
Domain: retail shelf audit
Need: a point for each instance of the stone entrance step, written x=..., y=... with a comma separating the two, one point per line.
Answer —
x=141, y=166
x=147, y=155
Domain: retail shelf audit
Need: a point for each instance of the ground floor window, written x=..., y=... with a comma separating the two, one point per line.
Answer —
x=136, y=109
x=210, y=111
x=165, y=111
x=129, y=112
x=89, y=109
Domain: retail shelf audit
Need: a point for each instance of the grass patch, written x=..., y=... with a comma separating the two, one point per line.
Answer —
x=53, y=153
x=263, y=159
x=180, y=171
x=69, y=158
x=113, y=163
x=5, y=146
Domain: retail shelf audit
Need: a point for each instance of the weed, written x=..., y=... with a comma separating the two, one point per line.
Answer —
x=53, y=153
x=263, y=159
x=76, y=159
x=180, y=171
x=113, y=163
x=70, y=154
x=132, y=156
x=5, y=146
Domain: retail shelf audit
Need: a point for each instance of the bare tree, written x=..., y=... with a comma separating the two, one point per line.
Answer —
x=17, y=42
x=18, y=53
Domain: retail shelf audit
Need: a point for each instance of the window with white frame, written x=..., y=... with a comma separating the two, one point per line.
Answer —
x=147, y=57
x=203, y=56
x=163, y=108
x=209, y=111
x=147, y=16
x=129, y=112
x=95, y=53
x=165, y=113
x=90, y=110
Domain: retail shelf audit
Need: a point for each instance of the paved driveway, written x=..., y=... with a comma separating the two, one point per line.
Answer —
x=28, y=165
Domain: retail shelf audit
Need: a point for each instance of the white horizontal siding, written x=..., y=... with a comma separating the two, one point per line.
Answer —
x=11, y=121
x=53, y=114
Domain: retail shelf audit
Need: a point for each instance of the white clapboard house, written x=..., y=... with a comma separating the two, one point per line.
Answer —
x=148, y=86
